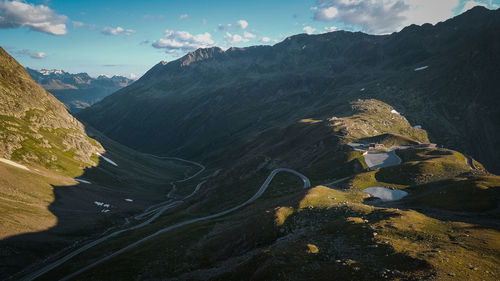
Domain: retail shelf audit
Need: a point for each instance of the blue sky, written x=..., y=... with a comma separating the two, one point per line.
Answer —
x=129, y=37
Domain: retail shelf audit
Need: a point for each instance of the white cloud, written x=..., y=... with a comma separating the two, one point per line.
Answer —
x=225, y=26
x=471, y=4
x=133, y=76
x=326, y=13
x=40, y=18
x=183, y=16
x=330, y=28
x=39, y=55
x=182, y=40
x=112, y=31
x=309, y=30
x=242, y=24
x=33, y=55
x=235, y=38
x=265, y=39
x=248, y=35
x=116, y=31
x=384, y=16
x=78, y=24
x=129, y=32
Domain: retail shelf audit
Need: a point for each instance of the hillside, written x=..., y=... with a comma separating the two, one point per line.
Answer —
x=446, y=228
x=36, y=129
x=51, y=174
x=77, y=91
x=442, y=77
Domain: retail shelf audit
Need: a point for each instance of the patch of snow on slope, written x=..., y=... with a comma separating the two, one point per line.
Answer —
x=7, y=161
x=421, y=68
x=129, y=200
x=83, y=181
x=107, y=159
x=395, y=112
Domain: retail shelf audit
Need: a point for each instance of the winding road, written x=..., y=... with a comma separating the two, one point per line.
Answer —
x=262, y=189
x=158, y=210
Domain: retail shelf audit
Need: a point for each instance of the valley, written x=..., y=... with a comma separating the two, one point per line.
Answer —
x=335, y=155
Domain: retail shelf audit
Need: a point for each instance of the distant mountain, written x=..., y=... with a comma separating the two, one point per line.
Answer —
x=77, y=91
x=443, y=77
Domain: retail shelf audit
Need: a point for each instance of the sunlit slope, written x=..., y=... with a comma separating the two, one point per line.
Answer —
x=36, y=129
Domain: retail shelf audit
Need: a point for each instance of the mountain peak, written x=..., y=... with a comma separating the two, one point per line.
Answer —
x=200, y=54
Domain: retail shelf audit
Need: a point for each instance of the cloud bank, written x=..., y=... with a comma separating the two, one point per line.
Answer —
x=14, y=14
x=384, y=16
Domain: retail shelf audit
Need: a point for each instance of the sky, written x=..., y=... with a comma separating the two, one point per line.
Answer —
x=120, y=37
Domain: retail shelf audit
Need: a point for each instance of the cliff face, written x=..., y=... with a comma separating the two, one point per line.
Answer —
x=35, y=128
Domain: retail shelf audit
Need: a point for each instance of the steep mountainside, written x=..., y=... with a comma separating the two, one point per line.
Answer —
x=35, y=128
x=443, y=77
x=77, y=91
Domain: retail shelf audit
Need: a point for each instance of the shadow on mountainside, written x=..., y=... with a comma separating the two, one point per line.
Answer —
x=107, y=196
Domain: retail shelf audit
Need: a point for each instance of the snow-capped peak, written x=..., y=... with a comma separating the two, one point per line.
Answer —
x=51, y=71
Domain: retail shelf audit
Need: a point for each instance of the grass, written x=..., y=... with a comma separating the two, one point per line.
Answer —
x=422, y=166
x=389, y=140
x=475, y=194
x=369, y=179
x=457, y=251
x=373, y=118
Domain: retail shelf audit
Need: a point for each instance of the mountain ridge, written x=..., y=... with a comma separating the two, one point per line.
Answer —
x=77, y=90
x=319, y=72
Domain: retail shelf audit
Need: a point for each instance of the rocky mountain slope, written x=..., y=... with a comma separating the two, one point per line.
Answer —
x=35, y=128
x=77, y=91
x=442, y=77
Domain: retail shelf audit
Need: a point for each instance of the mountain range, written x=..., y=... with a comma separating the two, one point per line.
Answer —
x=442, y=77
x=338, y=156
x=77, y=91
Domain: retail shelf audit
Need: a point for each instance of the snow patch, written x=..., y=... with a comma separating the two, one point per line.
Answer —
x=83, y=181
x=395, y=112
x=129, y=200
x=362, y=90
x=104, y=211
x=107, y=159
x=12, y=163
x=417, y=127
x=421, y=68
